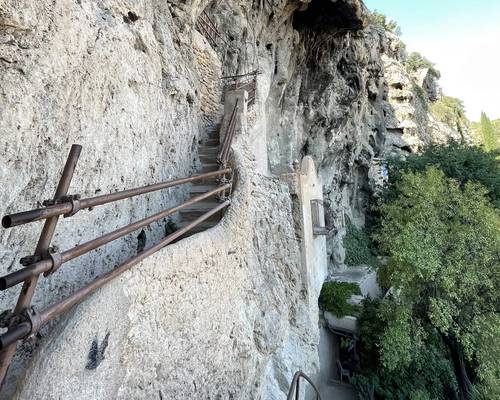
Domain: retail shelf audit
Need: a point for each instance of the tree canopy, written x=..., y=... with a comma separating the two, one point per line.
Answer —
x=388, y=24
x=417, y=61
x=450, y=111
x=490, y=136
x=441, y=318
x=459, y=161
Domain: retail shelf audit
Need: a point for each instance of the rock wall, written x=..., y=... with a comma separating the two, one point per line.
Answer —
x=135, y=83
x=111, y=76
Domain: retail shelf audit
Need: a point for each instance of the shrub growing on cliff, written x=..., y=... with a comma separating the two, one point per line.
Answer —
x=358, y=247
x=442, y=239
x=334, y=296
x=450, y=111
x=417, y=61
x=390, y=25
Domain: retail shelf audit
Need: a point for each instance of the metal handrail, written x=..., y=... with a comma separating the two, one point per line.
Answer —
x=69, y=208
x=54, y=262
x=38, y=320
x=256, y=72
x=228, y=139
x=294, y=392
x=246, y=82
x=25, y=321
x=210, y=29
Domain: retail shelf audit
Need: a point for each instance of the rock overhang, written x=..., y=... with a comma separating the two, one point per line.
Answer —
x=332, y=15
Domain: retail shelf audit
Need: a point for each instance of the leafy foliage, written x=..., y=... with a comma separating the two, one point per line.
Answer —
x=450, y=111
x=424, y=372
x=334, y=296
x=417, y=61
x=490, y=137
x=458, y=161
x=358, y=247
x=421, y=95
x=443, y=244
x=390, y=25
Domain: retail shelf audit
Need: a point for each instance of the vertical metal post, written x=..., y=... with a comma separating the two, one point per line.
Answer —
x=297, y=390
x=28, y=290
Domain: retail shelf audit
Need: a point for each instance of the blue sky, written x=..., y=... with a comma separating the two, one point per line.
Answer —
x=462, y=37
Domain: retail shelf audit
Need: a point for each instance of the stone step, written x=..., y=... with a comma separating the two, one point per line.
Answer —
x=208, y=159
x=209, y=167
x=196, y=210
x=197, y=229
x=209, y=150
x=200, y=189
x=212, y=142
x=206, y=181
x=200, y=227
x=193, y=212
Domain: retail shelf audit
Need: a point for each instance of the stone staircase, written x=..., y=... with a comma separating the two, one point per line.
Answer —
x=335, y=390
x=208, y=153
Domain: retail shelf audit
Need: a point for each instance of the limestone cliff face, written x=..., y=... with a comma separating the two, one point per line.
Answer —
x=138, y=86
x=410, y=124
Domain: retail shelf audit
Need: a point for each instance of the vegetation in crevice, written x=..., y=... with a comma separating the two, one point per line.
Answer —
x=421, y=95
x=358, y=246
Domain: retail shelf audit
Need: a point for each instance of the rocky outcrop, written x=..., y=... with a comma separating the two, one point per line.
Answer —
x=410, y=123
x=137, y=86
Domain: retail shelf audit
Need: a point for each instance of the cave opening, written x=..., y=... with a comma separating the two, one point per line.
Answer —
x=330, y=16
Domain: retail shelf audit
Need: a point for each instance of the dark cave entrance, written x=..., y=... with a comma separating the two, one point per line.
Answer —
x=331, y=16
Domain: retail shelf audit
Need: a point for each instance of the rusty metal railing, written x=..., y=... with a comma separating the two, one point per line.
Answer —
x=294, y=392
x=25, y=321
x=246, y=82
x=208, y=28
x=223, y=157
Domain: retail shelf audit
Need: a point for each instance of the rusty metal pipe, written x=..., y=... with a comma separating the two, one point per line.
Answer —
x=64, y=305
x=14, y=334
x=46, y=265
x=28, y=289
x=25, y=217
x=229, y=136
x=242, y=75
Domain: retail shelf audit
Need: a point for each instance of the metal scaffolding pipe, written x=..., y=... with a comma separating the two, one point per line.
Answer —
x=28, y=290
x=47, y=265
x=25, y=217
x=20, y=331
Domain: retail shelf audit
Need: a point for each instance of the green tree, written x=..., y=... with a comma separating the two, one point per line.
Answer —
x=334, y=298
x=390, y=25
x=459, y=161
x=450, y=111
x=387, y=340
x=417, y=61
x=489, y=136
x=442, y=240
